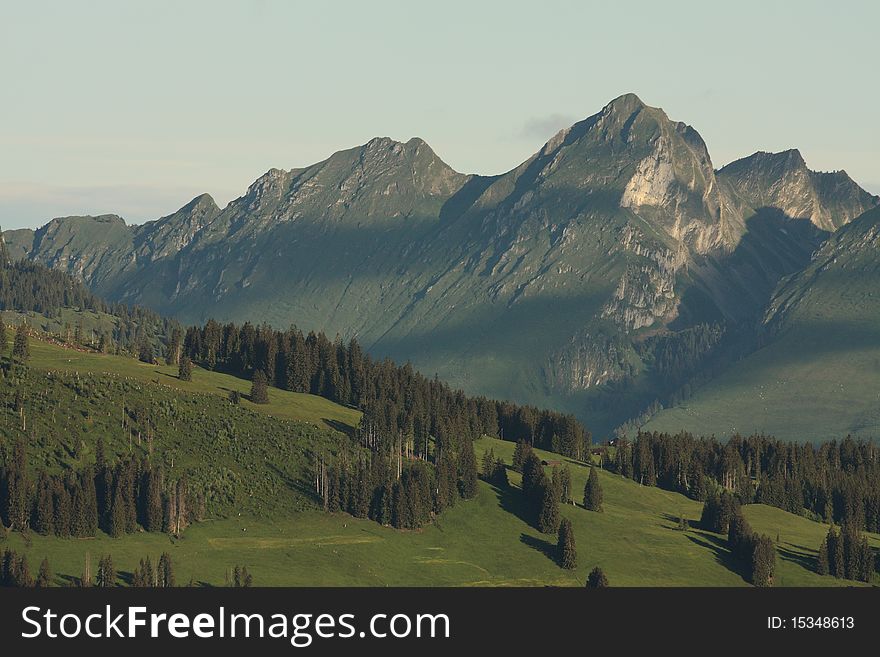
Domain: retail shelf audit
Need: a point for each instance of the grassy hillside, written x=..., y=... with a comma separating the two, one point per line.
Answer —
x=282, y=404
x=483, y=542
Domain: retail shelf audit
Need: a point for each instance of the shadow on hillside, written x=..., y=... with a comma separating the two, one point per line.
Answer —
x=293, y=484
x=718, y=546
x=341, y=427
x=799, y=555
x=545, y=547
x=511, y=500
x=674, y=519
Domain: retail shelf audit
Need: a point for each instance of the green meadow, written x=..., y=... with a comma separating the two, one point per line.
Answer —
x=482, y=542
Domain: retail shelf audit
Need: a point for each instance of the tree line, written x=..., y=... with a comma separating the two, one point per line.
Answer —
x=118, y=498
x=755, y=553
x=32, y=287
x=15, y=572
x=399, y=404
x=836, y=481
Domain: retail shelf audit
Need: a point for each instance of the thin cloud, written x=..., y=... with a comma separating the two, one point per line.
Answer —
x=545, y=127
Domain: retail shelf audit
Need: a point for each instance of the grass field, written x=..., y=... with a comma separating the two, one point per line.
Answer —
x=282, y=404
x=483, y=542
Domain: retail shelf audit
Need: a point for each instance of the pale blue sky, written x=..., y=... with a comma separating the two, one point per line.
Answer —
x=136, y=107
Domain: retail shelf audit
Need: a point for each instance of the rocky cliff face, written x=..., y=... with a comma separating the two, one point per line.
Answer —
x=783, y=181
x=525, y=285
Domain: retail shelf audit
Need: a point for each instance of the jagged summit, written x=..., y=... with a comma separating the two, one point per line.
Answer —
x=785, y=182
x=536, y=280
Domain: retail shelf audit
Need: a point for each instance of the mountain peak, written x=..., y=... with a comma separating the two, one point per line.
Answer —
x=628, y=102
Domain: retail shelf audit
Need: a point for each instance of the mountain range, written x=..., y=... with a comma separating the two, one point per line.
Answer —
x=616, y=273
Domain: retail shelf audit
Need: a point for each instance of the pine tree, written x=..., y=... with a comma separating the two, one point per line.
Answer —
x=23, y=573
x=487, y=464
x=165, y=571
x=566, y=553
x=44, y=577
x=838, y=565
x=499, y=474
x=822, y=560
x=106, y=576
x=144, y=576
x=3, y=337
x=260, y=388
x=185, y=369
x=7, y=567
x=593, y=492
x=467, y=469
x=548, y=517
x=153, y=517
x=21, y=350
x=763, y=561
x=520, y=453
x=597, y=579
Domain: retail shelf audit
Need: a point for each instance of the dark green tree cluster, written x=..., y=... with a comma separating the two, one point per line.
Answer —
x=27, y=286
x=118, y=498
x=597, y=579
x=718, y=509
x=405, y=494
x=541, y=497
x=593, y=491
x=15, y=571
x=493, y=469
x=560, y=477
x=241, y=578
x=396, y=400
x=106, y=575
x=160, y=576
x=756, y=552
x=846, y=554
x=677, y=356
x=837, y=481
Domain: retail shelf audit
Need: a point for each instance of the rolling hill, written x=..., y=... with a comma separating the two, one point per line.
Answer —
x=635, y=541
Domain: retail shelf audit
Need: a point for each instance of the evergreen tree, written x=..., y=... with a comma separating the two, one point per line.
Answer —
x=763, y=561
x=185, y=369
x=836, y=554
x=593, y=491
x=165, y=572
x=597, y=579
x=44, y=577
x=106, y=576
x=144, y=576
x=548, y=517
x=7, y=568
x=566, y=553
x=4, y=339
x=21, y=350
x=23, y=577
x=260, y=388
x=520, y=453
x=467, y=470
x=822, y=565
x=499, y=474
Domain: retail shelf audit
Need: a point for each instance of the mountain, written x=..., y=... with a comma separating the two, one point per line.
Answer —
x=548, y=284
x=818, y=373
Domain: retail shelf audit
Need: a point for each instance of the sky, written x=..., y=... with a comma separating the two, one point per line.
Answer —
x=134, y=108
